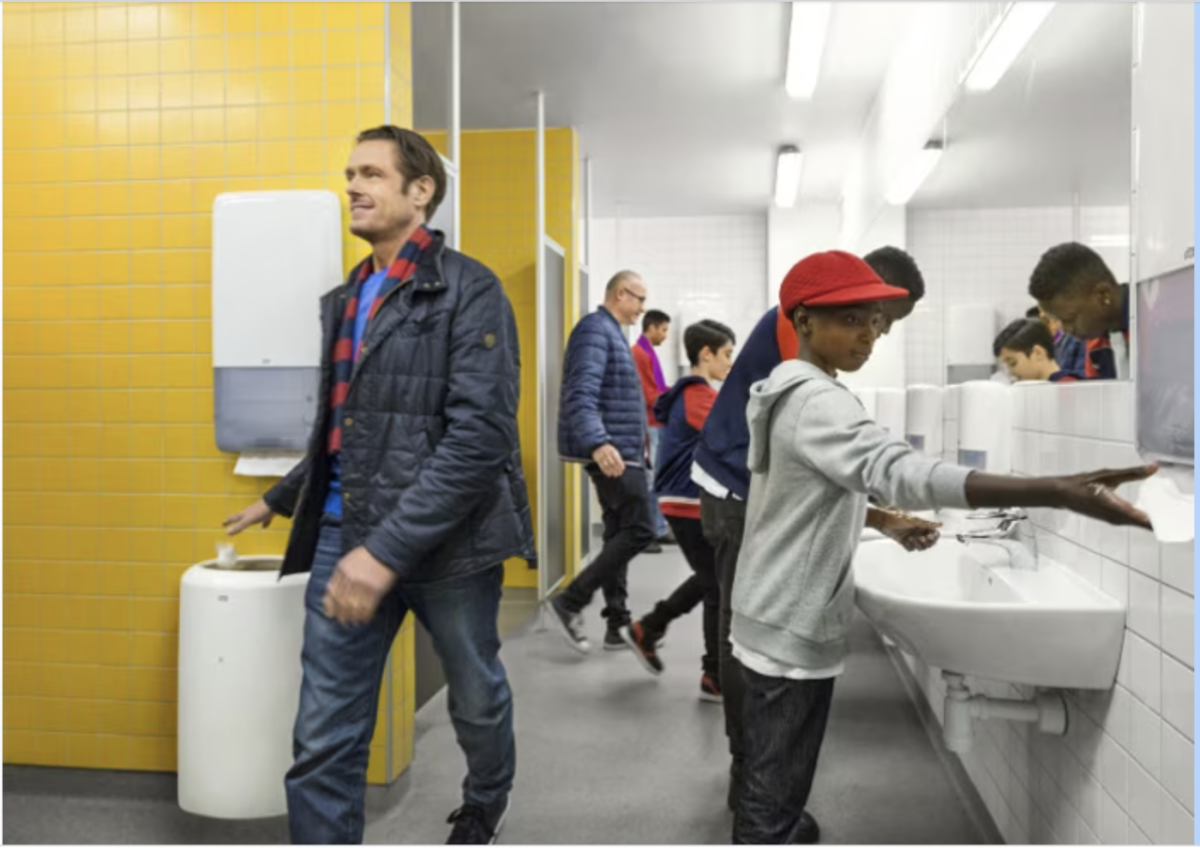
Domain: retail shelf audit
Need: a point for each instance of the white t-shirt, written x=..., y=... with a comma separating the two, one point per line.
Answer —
x=768, y=667
x=709, y=484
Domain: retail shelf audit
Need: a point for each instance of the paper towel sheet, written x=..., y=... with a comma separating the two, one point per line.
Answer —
x=266, y=464
x=1172, y=512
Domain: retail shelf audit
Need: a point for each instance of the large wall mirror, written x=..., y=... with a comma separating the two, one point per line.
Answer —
x=1042, y=158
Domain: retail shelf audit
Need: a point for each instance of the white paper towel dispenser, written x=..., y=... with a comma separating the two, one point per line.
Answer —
x=274, y=254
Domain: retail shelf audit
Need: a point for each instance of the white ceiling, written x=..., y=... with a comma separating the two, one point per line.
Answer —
x=681, y=106
x=1057, y=123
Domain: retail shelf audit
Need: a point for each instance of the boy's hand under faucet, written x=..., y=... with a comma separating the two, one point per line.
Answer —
x=913, y=534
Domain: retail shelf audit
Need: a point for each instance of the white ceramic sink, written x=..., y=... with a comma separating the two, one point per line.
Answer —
x=963, y=609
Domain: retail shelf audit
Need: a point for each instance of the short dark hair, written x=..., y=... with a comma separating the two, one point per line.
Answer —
x=1022, y=336
x=1067, y=267
x=1034, y=312
x=706, y=334
x=654, y=318
x=897, y=268
x=415, y=158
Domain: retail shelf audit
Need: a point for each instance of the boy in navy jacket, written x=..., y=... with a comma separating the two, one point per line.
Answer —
x=682, y=412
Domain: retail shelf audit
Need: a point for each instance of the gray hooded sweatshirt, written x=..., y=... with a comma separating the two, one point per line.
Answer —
x=815, y=456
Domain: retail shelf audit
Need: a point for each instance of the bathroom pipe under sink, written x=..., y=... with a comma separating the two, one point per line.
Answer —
x=1048, y=711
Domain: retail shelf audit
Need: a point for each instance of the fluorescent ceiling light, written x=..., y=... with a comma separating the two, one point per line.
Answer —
x=806, y=43
x=909, y=179
x=787, y=176
x=1008, y=38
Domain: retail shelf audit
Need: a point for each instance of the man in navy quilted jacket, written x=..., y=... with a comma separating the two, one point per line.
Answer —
x=602, y=423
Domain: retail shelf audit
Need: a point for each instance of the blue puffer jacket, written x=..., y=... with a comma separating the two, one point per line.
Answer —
x=602, y=399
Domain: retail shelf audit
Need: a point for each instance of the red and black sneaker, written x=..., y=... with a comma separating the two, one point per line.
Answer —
x=710, y=690
x=644, y=644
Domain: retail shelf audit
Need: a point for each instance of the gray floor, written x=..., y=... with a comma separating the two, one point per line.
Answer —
x=607, y=755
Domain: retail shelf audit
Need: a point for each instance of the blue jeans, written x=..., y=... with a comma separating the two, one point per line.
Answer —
x=343, y=669
x=660, y=523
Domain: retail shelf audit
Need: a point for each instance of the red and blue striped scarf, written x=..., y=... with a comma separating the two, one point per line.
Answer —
x=399, y=272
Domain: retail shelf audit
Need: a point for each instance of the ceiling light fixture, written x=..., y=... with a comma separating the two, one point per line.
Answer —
x=787, y=176
x=906, y=182
x=806, y=43
x=1008, y=38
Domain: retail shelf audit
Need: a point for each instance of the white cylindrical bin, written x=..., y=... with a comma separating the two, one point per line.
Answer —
x=985, y=426
x=889, y=411
x=923, y=419
x=868, y=399
x=240, y=636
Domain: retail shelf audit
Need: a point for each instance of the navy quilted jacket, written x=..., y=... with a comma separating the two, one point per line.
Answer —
x=431, y=463
x=602, y=399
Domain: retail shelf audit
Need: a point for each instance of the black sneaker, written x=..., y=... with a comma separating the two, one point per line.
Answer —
x=807, y=832
x=644, y=644
x=476, y=825
x=614, y=641
x=569, y=624
x=654, y=547
x=710, y=690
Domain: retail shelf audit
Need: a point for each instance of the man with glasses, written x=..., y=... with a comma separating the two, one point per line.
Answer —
x=602, y=423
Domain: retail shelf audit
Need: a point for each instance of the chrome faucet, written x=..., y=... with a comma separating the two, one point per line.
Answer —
x=1004, y=535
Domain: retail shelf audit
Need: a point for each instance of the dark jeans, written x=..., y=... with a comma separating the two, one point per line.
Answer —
x=700, y=587
x=343, y=667
x=724, y=523
x=628, y=529
x=784, y=727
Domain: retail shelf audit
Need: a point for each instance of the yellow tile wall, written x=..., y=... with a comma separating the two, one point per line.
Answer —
x=122, y=122
x=499, y=227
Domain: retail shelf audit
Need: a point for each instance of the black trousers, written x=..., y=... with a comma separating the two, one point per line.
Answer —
x=784, y=724
x=700, y=588
x=724, y=523
x=628, y=530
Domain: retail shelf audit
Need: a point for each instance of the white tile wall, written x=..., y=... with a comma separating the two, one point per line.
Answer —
x=985, y=256
x=1124, y=774
x=694, y=268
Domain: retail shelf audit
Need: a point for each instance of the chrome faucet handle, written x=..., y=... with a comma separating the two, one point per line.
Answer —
x=999, y=512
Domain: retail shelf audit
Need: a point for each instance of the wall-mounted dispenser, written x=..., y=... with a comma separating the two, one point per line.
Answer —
x=889, y=411
x=951, y=404
x=923, y=419
x=868, y=398
x=1165, y=389
x=985, y=426
x=274, y=254
x=970, y=330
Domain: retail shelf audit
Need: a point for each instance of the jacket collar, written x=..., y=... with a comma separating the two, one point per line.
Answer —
x=429, y=278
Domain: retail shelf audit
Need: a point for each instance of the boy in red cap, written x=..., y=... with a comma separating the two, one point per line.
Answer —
x=815, y=456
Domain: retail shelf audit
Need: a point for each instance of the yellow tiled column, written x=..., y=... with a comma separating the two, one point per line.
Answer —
x=122, y=124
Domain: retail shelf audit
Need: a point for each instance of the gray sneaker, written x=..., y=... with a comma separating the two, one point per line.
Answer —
x=569, y=624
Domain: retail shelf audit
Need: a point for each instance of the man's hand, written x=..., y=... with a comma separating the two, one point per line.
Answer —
x=913, y=534
x=356, y=587
x=258, y=513
x=609, y=460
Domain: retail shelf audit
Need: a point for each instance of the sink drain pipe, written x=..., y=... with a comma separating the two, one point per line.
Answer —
x=1048, y=711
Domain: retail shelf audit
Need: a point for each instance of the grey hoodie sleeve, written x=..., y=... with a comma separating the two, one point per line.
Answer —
x=835, y=436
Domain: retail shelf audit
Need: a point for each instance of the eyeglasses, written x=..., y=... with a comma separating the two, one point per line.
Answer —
x=639, y=298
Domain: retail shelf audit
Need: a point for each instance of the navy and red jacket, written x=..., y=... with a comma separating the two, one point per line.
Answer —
x=725, y=440
x=681, y=411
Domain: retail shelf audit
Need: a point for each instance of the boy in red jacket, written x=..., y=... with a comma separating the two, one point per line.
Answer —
x=682, y=411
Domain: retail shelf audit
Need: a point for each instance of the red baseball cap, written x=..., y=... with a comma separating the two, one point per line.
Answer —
x=833, y=278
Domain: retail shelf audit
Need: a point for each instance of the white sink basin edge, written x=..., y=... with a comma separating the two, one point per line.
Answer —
x=963, y=609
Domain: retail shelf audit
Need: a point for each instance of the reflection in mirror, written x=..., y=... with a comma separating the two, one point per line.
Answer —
x=1041, y=159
